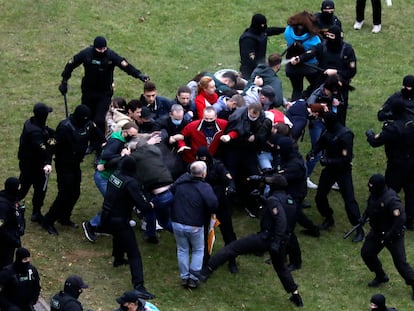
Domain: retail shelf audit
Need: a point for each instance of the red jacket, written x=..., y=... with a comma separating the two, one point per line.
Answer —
x=202, y=100
x=196, y=137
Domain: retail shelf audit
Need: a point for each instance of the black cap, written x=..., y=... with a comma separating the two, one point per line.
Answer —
x=75, y=281
x=327, y=4
x=408, y=81
x=41, y=109
x=129, y=296
x=99, y=42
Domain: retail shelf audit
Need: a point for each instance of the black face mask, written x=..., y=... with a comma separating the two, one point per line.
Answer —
x=326, y=17
x=407, y=93
x=128, y=138
x=123, y=308
x=209, y=124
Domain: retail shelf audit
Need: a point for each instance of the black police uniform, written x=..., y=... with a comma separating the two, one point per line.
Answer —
x=253, y=44
x=97, y=82
x=405, y=95
x=292, y=166
x=336, y=142
x=65, y=302
x=335, y=54
x=398, y=140
x=35, y=151
x=386, y=218
x=271, y=237
x=19, y=284
x=11, y=222
x=123, y=193
x=72, y=137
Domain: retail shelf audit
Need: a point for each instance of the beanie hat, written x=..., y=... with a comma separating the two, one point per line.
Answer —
x=336, y=30
x=327, y=4
x=99, y=42
x=11, y=186
x=277, y=181
x=82, y=114
x=257, y=21
x=22, y=253
x=408, y=81
x=379, y=300
x=377, y=184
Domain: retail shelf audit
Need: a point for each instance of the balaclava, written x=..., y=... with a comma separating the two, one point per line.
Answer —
x=377, y=185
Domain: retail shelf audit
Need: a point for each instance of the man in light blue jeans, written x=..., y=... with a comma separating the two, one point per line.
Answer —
x=194, y=199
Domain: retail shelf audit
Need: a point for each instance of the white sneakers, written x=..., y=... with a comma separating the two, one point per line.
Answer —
x=310, y=184
x=335, y=186
x=358, y=25
x=375, y=28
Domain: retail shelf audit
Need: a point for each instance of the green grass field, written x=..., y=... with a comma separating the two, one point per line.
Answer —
x=172, y=41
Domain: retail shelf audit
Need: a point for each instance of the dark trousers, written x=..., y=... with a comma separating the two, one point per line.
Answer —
x=31, y=174
x=68, y=183
x=98, y=103
x=344, y=179
x=373, y=246
x=296, y=74
x=252, y=244
x=376, y=11
x=241, y=163
x=400, y=175
x=124, y=241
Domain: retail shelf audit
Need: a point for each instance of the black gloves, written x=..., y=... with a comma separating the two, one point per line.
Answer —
x=143, y=77
x=255, y=178
x=369, y=133
x=310, y=156
x=325, y=161
x=63, y=87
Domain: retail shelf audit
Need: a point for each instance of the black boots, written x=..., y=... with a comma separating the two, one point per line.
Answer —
x=378, y=280
x=296, y=299
x=359, y=236
x=327, y=223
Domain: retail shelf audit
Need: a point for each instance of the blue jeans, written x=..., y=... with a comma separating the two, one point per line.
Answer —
x=189, y=238
x=316, y=128
x=101, y=183
x=162, y=208
x=265, y=159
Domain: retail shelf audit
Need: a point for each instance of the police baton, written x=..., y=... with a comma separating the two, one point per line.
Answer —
x=354, y=228
x=65, y=100
x=46, y=182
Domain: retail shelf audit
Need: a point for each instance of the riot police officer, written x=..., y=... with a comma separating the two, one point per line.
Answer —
x=11, y=221
x=398, y=139
x=123, y=192
x=99, y=63
x=19, y=284
x=72, y=137
x=406, y=94
x=386, y=218
x=336, y=143
x=271, y=237
x=35, y=158
x=67, y=300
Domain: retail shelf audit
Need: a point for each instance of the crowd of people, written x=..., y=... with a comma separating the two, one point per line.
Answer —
x=228, y=139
